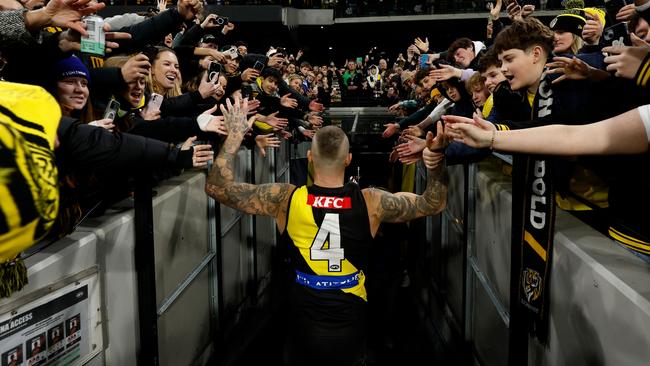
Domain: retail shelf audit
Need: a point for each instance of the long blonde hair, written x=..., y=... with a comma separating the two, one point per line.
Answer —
x=153, y=85
x=576, y=45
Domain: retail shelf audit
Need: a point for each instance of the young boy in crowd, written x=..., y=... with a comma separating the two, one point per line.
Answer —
x=524, y=49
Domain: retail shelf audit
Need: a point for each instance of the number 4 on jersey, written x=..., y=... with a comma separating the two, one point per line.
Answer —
x=329, y=232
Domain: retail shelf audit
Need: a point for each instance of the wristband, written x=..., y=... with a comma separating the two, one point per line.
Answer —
x=203, y=120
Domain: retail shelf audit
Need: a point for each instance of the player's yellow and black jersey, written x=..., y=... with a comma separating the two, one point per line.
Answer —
x=329, y=234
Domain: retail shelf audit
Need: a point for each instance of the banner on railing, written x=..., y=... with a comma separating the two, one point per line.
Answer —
x=53, y=330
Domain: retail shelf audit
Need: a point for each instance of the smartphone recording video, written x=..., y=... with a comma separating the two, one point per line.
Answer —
x=612, y=8
x=424, y=60
x=155, y=101
x=111, y=109
x=214, y=71
x=617, y=35
x=259, y=66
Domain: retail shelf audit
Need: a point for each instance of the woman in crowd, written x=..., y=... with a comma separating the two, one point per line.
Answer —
x=71, y=89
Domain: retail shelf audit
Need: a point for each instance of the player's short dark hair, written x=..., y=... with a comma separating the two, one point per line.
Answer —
x=330, y=144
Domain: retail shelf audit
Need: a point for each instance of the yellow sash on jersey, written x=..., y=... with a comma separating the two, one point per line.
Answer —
x=302, y=230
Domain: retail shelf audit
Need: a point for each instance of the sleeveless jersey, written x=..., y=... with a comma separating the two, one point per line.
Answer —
x=329, y=234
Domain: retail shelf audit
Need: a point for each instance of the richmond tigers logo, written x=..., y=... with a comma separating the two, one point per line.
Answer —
x=532, y=283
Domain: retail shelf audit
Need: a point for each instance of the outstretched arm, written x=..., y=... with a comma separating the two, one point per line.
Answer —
x=264, y=199
x=622, y=134
x=405, y=206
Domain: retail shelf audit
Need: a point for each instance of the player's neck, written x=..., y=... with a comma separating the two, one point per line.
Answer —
x=328, y=180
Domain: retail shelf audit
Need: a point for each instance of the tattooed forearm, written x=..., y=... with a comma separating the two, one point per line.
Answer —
x=264, y=199
x=401, y=207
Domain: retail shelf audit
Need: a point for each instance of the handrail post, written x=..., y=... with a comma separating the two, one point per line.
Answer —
x=145, y=265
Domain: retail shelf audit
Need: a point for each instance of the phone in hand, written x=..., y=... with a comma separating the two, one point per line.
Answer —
x=214, y=70
x=617, y=35
x=150, y=51
x=424, y=60
x=259, y=66
x=111, y=109
x=246, y=91
x=220, y=20
x=612, y=8
x=155, y=101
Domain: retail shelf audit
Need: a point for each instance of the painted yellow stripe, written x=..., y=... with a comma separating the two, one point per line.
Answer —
x=630, y=238
x=535, y=245
x=638, y=247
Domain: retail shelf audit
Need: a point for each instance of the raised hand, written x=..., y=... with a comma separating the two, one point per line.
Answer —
x=201, y=154
x=412, y=145
x=235, y=116
x=423, y=46
x=475, y=132
x=410, y=159
x=445, y=72
x=625, y=61
x=495, y=10
x=592, y=31
x=209, y=21
x=207, y=88
x=135, y=68
x=68, y=13
x=228, y=28
x=264, y=141
x=275, y=121
x=217, y=125
x=626, y=13
x=432, y=154
x=253, y=105
x=288, y=102
x=315, y=119
x=70, y=40
x=391, y=129
x=250, y=75
x=314, y=106
x=148, y=115
x=161, y=5
x=569, y=68
x=414, y=131
x=516, y=12
x=526, y=10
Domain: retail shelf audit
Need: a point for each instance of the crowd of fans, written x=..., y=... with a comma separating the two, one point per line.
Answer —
x=149, y=101
x=588, y=64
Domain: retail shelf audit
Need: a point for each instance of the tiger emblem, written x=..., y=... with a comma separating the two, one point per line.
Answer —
x=532, y=283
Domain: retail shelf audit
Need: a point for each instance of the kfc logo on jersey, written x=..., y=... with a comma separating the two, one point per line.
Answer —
x=329, y=202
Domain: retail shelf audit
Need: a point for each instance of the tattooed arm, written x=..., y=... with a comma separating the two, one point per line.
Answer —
x=264, y=199
x=405, y=206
